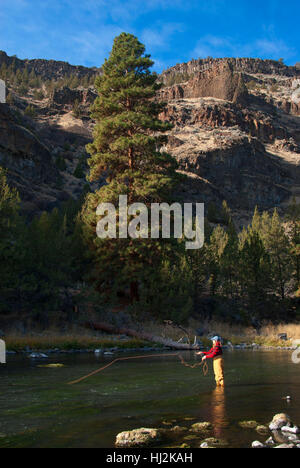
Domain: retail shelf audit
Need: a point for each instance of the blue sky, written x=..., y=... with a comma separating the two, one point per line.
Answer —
x=174, y=31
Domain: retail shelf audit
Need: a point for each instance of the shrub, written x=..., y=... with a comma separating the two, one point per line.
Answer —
x=30, y=112
x=61, y=163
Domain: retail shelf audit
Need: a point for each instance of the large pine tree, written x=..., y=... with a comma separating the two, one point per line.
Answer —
x=126, y=152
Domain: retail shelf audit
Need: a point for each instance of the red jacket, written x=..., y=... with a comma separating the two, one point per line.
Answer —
x=214, y=351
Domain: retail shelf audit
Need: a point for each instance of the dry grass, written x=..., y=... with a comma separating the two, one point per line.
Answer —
x=79, y=338
x=236, y=334
x=51, y=341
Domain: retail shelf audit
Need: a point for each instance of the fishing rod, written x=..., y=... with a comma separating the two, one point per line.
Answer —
x=183, y=362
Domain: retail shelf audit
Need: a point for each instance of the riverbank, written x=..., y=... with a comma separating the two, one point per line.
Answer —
x=79, y=339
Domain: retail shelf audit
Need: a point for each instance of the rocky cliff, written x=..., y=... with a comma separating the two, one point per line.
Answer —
x=243, y=65
x=236, y=130
x=236, y=133
x=219, y=81
x=47, y=69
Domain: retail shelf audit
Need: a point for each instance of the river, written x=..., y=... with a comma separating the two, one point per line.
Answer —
x=39, y=409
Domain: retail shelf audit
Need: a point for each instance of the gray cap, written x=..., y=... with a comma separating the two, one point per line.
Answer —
x=216, y=338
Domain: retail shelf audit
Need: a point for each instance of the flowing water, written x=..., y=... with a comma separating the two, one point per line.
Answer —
x=39, y=409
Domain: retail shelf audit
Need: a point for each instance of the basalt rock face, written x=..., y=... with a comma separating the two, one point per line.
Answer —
x=48, y=69
x=213, y=113
x=29, y=164
x=225, y=164
x=67, y=96
x=242, y=65
x=219, y=81
x=236, y=130
x=22, y=151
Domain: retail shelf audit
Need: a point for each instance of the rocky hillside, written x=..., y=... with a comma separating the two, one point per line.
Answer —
x=44, y=127
x=46, y=69
x=236, y=130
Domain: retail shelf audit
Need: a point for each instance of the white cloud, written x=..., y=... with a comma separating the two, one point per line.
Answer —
x=160, y=35
x=268, y=47
x=217, y=46
x=90, y=44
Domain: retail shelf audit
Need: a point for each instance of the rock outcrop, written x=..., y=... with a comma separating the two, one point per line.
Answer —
x=67, y=96
x=29, y=163
x=228, y=166
x=21, y=150
x=243, y=65
x=138, y=438
x=219, y=81
x=47, y=69
x=214, y=113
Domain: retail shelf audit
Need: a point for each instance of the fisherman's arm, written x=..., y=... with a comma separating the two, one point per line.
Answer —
x=205, y=353
x=210, y=354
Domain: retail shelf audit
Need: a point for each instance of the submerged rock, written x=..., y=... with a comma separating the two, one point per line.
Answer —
x=262, y=429
x=191, y=437
x=52, y=366
x=38, y=356
x=213, y=442
x=248, y=424
x=178, y=429
x=201, y=426
x=138, y=438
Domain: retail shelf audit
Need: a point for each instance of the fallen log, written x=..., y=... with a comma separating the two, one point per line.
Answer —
x=107, y=328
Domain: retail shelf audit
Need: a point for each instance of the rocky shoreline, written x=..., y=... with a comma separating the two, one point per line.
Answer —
x=281, y=431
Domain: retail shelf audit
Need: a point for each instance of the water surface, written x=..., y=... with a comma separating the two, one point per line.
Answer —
x=39, y=409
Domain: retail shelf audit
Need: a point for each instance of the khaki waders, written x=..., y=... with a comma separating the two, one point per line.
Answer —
x=218, y=364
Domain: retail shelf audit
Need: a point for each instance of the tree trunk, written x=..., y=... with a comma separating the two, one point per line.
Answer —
x=105, y=327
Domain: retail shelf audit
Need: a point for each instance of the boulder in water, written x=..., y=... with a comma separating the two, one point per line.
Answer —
x=201, y=426
x=285, y=446
x=213, y=442
x=292, y=430
x=262, y=429
x=138, y=438
x=270, y=441
x=280, y=420
x=257, y=444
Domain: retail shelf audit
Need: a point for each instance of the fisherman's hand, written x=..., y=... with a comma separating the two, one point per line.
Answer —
x=204, y=358
x=199, y=354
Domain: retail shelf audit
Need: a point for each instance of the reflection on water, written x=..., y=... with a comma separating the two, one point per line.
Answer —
x=39, y=409
x=218, y=411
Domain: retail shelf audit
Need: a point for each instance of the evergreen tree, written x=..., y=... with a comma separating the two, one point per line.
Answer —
x=277, y=245
x=254, y=269
x=126, y=151
x=217, y=244
x=10, y=242
x=229, y=264
x=76, y=109
x=293, y=220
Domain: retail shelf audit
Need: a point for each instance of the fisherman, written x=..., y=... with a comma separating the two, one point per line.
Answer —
x=216, y=354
